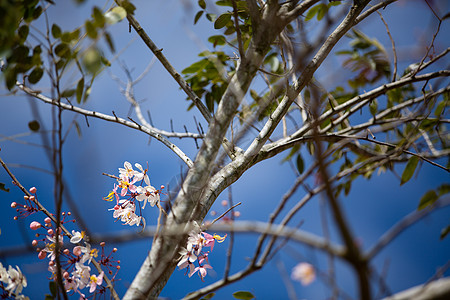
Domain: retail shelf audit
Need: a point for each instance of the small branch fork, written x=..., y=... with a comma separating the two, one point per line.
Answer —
x=114, y=119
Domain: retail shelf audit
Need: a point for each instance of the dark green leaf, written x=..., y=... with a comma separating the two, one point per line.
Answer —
x=409, y=169
x=53, y=288
x=56, y=31
x=243, y=295
x=209, y=296
x=429, y=198
x=23, y=32
x=90, y=29
x=34, y=125
x=3, y=188
x=443, y=189
x=300, y=164
x=129, y=7
x=99, y=18
x=62, y=50
x=197, y=16
x=110, y=42
x=80, y=88
x=202, y=4
x=222, y=21
x=211, y=17
x=35, y=75
x=444, y=232
x=373, y=106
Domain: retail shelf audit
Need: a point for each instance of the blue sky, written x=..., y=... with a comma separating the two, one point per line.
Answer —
x=373, y=206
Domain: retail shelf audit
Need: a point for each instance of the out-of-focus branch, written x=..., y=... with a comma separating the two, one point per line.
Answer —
x=436, y=290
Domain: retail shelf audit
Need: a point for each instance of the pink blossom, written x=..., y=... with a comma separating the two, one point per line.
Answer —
x=202, y=270
x=35, y=225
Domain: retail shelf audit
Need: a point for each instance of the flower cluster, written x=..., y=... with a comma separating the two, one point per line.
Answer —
x=75, y=268
x=135, y=186
x=12, y=282
x=194, y=251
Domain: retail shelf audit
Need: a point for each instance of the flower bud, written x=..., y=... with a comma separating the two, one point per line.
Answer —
x=102, y=244
x=47, y=220
x=32, y=198
x=66, y=251
x=35, y=225
x=34, y=243
x=13, y=204
x=42, y=254
x=66, y=275
x=77, y=250
x=224, y=202
x=50, y=231
x=33, y=190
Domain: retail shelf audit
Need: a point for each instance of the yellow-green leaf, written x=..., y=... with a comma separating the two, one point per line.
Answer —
x=409, y=169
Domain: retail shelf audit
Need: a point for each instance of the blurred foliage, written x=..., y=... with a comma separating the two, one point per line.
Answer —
x=367, y=58
x=31, y=59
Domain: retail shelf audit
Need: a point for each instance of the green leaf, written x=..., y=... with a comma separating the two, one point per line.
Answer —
x=68, y=93
x=90, y=29
x=35, y=75
x=53, y=288
x=443, y=189
x=409, y=169
x=312, y=12
x=23, y=32
x=92, y=60
x=243, y=295
x=222, y=21
x=300, y=164
x=62, y=50
x=209, y=296
x=202, y=4
x=110, y=42
x=444, y=232
x=80, y=88
x=34, y=125
x=99, y=18
x=373, y=106
x=77, y=127
x=217, y=40
x=56, y=31
x=197, y=16
x=429, y=198
x=3, y=188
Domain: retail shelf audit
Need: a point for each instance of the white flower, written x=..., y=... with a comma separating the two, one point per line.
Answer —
x=16, y=281
x=76, y=237
x=127, y=171
x=4, y=277
x=304, y=273
x=142, y=174
x=126, y=213
x=81, y=275
x=149, y=194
